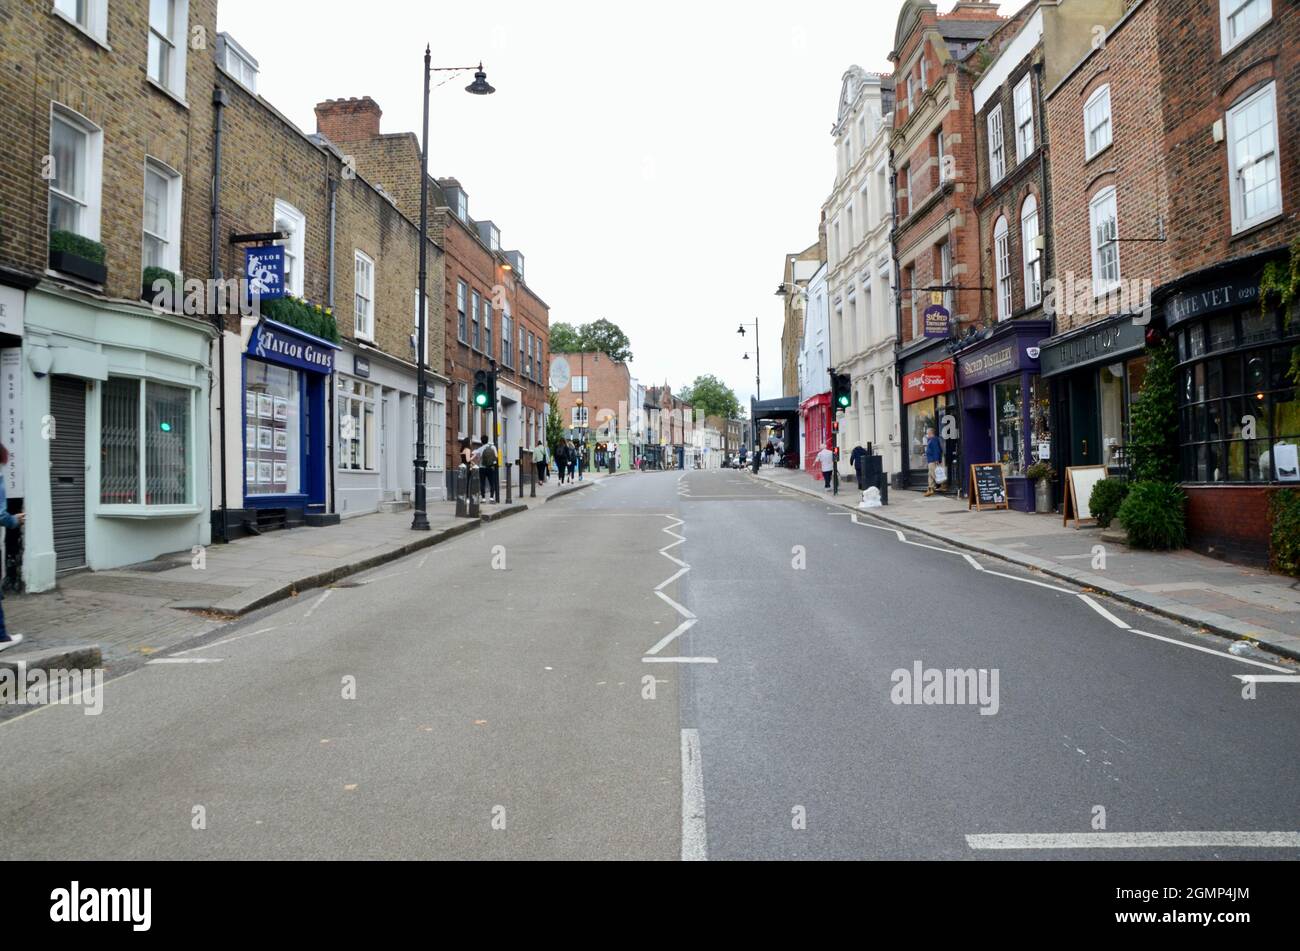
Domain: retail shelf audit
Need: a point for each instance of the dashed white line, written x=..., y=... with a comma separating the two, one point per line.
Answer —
x=1104, y=613
x=318, y=603
x=228, y=640
x=1136, y=840
x=695, y=842
x=184, y=660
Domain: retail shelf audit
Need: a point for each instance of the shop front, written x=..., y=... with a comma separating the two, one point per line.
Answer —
x=286, y=379
x=106, y=408
x=1239, y=417
x=1005, y=405
x=929, y=397
x=1095, y=372
x=815, y=412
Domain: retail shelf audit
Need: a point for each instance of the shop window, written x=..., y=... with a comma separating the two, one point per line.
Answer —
x=1253, y=168
x=272, y=427
x=922, y=416
x=144, y=442
x=1040, y=414
x=76, y=147
x=358, y=428
x=1011, y=429
x=435, y=427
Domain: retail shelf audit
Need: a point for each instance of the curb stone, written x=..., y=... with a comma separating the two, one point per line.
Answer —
x=1274, y=642
x=85, y=657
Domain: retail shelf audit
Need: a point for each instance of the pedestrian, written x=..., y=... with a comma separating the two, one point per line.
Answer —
x=489, y=463
x=858, y=460
x=580, y=460
x=562, y=459
x=933, y=456
x=7, y=640
x=539, y=462
x=826, y=458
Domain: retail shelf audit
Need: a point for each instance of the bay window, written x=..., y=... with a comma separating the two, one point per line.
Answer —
x=145, y=443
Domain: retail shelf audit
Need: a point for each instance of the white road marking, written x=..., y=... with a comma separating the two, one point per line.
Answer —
x=1040, y=584
x=184, y=660
x=1104, y=613
x=318, y=603
x=973, y=563
x=679, y=660
x=695, y=842
x=1277, y=679
x=668, y=639
x=677, y=607
x=1136, y=840
x=422, y=561
x=396, y=574
x=664, y=584
x=1208, y=650
x=228, y=640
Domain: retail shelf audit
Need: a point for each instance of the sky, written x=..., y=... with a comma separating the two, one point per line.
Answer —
x=654, y=162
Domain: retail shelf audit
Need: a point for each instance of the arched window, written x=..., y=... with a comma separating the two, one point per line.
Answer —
x=1032, y=256
x=1002, y=263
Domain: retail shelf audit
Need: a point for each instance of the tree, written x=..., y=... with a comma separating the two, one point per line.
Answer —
x=1154, y=420
x=607, y=338
x=711, y=397
x=554, y=425
x=565, y=339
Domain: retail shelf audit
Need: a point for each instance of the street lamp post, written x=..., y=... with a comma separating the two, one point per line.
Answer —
x=479, y=87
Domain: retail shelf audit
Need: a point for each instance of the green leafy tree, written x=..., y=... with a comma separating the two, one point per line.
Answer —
x=1155, y=420
x=565, y=338
x=607, y=337
x=554, y=425
x=711, y=397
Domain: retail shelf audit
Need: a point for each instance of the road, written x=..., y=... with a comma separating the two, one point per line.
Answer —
x=670, y=666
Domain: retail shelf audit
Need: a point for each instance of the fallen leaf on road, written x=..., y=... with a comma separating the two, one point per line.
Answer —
x=323, y=742
x=480, y=723
x=148, y=650
x=350, y=788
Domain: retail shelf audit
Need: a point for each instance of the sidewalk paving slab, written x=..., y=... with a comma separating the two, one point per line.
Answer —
x=1233, y=601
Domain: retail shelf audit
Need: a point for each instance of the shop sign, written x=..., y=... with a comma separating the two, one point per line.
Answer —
x=1109, y=342
x=361, y=366
x=989, y=364
x=933, y=380
x=937, y=321
x=286, y=346
x=264, y=271
x=1227, y=295
x=11, y=417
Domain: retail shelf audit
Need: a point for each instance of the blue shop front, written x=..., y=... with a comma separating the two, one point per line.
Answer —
x=286, y=381
x=1006, y=407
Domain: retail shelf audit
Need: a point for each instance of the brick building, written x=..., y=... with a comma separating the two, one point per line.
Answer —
x=936, y=243
x=104, y=172
x=798, y=270
x=489, y=310
x=339, y=440
x=594, y=407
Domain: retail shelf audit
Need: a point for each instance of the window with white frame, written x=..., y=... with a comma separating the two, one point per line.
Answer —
x=1096, y=121
x=462, y=302
x=358, y=428
x=435, y=430
x=1253, y=167
x=90, y=15
x=462, y=406
x=939, y=156
x=1032, y=257
x=507, y=339
x=1024, y=120
x=239, y=62
x=168, y=23
x=162, y=216
x=293, y=224
x=488, y=325
x=1002, y=265
x=848, y=226
x=532, y=361
x=578, y=415
x=1104, y=221
x=76, y=156
x=364, y=293
x=997, y=148
x=145, y=432
x=580, y=384
x=925, y=81
x=945, y=275
x=1238, y=19
x=476, y=335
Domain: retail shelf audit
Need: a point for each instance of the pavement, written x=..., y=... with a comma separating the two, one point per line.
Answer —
x=137, y=611
x=1230, y=600
x=674, y=666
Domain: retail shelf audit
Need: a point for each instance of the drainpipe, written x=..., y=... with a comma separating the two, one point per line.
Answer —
x=329, y=424
x=220, y=99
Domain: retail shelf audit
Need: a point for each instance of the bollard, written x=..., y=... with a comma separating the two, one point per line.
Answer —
x=462, y=502
x=532, y=483
x=509, y=482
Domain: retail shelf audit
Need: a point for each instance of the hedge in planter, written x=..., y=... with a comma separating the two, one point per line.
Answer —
x=1284, y=513
x=69, y=242
x=172, y=289
x=77, y=256
x=298, y=313
x=1107, y=496
x=1155, y=516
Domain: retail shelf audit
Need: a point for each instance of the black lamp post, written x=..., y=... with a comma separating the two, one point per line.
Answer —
x=758, y=360
x=479, y=87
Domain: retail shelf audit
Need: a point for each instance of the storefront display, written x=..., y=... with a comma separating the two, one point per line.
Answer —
x=272, y=428
x=929, y=402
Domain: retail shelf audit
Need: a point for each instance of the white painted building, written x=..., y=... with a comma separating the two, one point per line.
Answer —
x=859, y=214
x=814, y=352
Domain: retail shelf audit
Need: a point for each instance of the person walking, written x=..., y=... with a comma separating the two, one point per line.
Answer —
x=490, y=464
x=826, y=459
x=562, y=459
x=580, y=460
x=933, y=456
x=7, y=640
x=539, y=463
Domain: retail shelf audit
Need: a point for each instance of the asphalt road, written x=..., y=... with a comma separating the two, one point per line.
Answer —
x=668, y=666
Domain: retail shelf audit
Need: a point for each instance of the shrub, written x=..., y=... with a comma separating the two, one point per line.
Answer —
x=1107, y=496
x=1284, y=513
x=310, y=318
x=1154, y=515
x=1040, y=470
x=1154, y=439
x=152, y=274
x=70, y=242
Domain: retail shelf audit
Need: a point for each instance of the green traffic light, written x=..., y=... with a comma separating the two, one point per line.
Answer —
x=481, y=399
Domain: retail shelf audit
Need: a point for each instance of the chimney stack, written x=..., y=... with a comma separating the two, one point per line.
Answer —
x=348, y=120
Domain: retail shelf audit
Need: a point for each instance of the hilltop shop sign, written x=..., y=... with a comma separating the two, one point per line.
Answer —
x=281, y=344
x=933, y=380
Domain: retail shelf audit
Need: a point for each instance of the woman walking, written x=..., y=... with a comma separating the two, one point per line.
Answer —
x=8, y=521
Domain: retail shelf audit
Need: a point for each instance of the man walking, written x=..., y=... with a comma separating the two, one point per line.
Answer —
x=489, y=464
x=933, y=456
x=826, y=458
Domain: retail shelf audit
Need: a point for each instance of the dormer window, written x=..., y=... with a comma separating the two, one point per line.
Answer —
x=462, y=205
x=237, y=61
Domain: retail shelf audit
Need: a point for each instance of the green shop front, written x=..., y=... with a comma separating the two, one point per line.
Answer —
x=113, y=444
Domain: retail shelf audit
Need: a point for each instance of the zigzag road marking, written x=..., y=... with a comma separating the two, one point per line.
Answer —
x=689, y=620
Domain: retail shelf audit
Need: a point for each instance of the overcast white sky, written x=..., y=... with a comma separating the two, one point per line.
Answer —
x=653, y=161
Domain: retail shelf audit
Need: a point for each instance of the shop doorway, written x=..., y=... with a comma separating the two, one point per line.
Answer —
x=1085, y=431
x=68, y=471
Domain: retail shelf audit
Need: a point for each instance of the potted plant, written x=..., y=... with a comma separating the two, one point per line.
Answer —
x=170, y=290
x=78, y=256
x=1042, y=475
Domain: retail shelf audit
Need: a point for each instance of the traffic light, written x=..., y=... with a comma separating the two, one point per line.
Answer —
x=482, y=389
x=841, y=390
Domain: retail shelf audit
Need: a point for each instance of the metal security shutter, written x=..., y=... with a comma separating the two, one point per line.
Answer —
x=68, y=471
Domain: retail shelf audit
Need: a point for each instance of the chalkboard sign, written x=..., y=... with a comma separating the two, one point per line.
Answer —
x=987, y=489
x=1079, y=483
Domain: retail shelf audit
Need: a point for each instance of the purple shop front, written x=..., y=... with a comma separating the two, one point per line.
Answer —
x=1005, y=406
